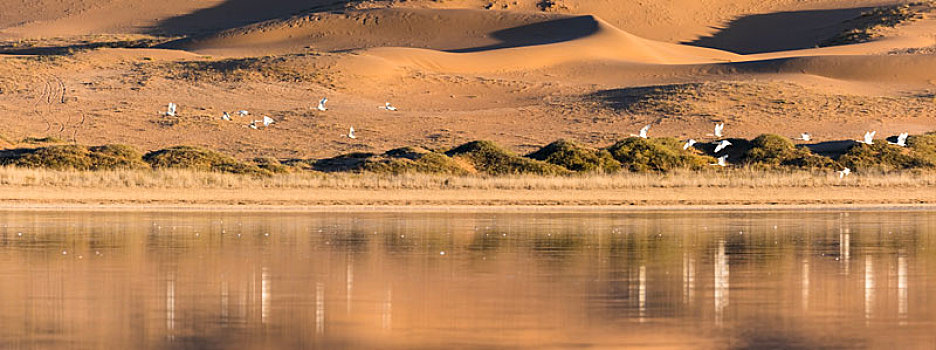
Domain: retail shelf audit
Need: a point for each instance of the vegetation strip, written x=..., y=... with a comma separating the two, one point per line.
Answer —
x=560, y=158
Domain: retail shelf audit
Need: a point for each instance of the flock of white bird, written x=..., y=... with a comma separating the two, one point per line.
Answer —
x=643, y=133
x=723, y=144
x=266, y=121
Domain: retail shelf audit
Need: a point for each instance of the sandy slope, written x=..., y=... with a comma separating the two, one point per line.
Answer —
x=666, y=20
x=521, y=73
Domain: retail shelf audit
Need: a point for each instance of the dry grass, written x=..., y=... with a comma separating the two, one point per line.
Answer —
x=186, y=179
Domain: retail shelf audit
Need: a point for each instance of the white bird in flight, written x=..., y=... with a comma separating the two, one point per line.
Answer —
x=171, y=110
x=722, y=145
x=805, y=137
x=243, y=113
x=868, y=138
x=722, y=161
x=321, y=105
x=226, y=116
x=351, y=133
x=688, y=144
x=843, y=173
x=718, y=129
x=901, y=140
x=388, y=107
x=643, y=132
x=267, y=121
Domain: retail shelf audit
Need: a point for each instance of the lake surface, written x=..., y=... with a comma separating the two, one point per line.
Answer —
x=665, y=280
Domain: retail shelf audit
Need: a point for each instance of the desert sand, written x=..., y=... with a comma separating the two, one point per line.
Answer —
x=520, y=73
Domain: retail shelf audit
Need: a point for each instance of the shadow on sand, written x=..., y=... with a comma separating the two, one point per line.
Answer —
x=542, y=33
x=780, y=31
x=237, y=13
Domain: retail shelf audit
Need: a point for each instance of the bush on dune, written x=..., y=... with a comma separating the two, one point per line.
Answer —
x=924, y=146
x=776, y=150
x=882, y=157
x=659, y=154
x=413, y=160
x=116, y=157
x=75, y=157
x=575, y=157
x=61, y=157
x=196, y=158
x=489, y=158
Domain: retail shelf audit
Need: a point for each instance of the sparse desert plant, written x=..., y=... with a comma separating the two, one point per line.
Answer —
x=196, y=158
x=575, y=157
x=489, y=158
x=659, y=154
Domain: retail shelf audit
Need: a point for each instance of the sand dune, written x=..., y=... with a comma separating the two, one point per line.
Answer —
x=517, y=72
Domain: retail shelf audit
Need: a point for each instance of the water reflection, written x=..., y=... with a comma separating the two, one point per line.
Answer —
x=363, y=281
x=721, y=284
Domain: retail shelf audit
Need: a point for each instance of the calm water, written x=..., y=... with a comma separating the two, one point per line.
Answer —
x=687, y=280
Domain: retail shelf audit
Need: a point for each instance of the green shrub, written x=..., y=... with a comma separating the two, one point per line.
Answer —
x=196, y=158
x=775, y=150
x=882, y=157
x=575, y=157
x=489, y=158
x=659, y=154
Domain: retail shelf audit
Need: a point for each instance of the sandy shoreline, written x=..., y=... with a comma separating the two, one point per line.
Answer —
x=457, y=209
x=398, y=200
